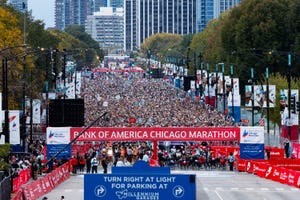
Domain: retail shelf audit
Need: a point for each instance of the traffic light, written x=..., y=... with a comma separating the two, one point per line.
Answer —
x=293, y=105
x=298, y=106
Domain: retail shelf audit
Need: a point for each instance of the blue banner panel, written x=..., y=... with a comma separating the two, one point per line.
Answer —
x=178, y=83
x=139, y=187
x=237, y=113
x=252, y=151
x=52, y=149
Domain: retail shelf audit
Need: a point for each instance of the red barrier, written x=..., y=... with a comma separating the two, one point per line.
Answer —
x=276, y=153
x=23, y=178
x=293, y=164
x=18, y=195
x=44, y=185
x=273, y=170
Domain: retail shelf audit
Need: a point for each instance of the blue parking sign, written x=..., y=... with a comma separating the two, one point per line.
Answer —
x=139, y=186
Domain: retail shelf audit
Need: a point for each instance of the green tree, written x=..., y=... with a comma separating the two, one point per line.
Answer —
x=158, y=45
x=4, y=153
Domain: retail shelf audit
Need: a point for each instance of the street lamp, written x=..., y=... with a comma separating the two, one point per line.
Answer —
x=224, y=93
x=5, y=100
x=5, y=90
x=289, y=92
x=207, y=82
x=268, y=101
x=201, y=75
x=188, y=58
x=216, y=89
x=232, y=91
x=64, y=72
x=252, y=94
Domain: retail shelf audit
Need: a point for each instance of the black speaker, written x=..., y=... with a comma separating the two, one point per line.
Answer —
x=66, y=112
x=157, y=73
x=187, y=82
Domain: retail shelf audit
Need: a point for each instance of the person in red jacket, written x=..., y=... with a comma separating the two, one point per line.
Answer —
x=74, y=163
x=81, y=163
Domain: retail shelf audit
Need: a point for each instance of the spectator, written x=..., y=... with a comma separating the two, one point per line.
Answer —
x=88, y=164
x=231, y=161
x=120, y=162
x=94, y=163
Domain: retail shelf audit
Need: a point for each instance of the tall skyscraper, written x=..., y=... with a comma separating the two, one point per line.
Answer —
x=223, y=5
x=144, y=18
x=69, y=12
x=21, y=5
x=131, y=25
x=115, y=3
x=211, y=9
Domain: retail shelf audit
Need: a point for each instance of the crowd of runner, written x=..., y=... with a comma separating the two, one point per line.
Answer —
x=143, y=102
x=136, y=101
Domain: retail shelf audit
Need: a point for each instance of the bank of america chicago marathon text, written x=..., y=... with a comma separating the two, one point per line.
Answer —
x=139, y=182
x=153, y=134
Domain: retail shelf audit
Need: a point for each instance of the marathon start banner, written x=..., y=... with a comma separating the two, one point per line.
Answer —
x=156, y=134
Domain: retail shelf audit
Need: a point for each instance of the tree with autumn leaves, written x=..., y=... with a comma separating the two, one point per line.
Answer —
x=27, y=62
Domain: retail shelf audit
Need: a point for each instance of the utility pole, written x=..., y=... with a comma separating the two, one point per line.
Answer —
x=252, y=94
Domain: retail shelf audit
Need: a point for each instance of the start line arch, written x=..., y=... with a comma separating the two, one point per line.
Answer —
x=251, y=139
x=155, y=134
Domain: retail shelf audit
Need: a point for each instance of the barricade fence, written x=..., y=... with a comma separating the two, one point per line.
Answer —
x=285, y=171
x=43, y=185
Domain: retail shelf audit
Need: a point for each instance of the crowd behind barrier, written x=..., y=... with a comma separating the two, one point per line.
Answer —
x=37, y=188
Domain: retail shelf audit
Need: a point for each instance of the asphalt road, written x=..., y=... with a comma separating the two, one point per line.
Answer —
x=211, y=185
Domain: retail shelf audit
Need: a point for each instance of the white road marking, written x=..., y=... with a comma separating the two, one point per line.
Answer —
x=295, y=189
x=264, y=189
x=219, y=195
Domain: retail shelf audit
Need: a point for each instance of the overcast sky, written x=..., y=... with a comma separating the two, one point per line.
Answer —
x=43, y=10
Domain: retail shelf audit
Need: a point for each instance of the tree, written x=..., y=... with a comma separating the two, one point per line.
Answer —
x=160, y=44
x=10, y=34
x=4, y=153
x=78, y=32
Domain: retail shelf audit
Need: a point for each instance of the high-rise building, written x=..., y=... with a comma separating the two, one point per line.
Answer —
x=115, y=3
x=131, y=25
x=211, y=9
x=223, y=5
x=21, y=5
x=107, y=28
x=96, y=4
x=68, y=12
x=144, y=18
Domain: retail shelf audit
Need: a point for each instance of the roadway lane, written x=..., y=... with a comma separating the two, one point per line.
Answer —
x=211, y=185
